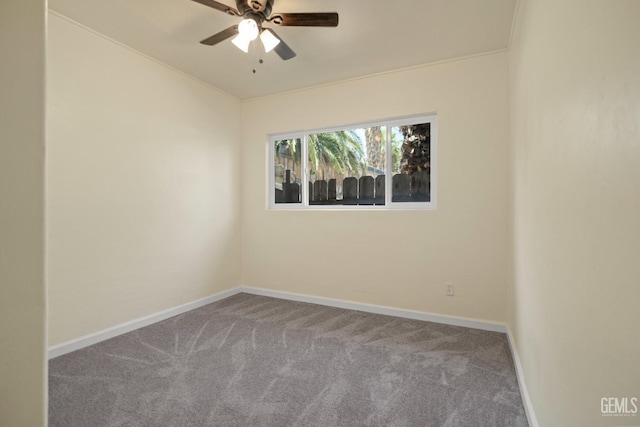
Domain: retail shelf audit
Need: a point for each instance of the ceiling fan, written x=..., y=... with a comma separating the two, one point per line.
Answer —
x=255, y=13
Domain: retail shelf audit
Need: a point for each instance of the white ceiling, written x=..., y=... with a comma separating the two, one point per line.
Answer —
x=373, y=36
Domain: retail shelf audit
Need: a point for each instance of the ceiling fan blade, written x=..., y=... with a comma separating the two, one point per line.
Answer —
x=221, y=36
x=282, y=49
x=329, y=19
x=219, y=6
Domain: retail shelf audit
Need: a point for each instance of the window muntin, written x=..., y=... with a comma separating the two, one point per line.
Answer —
x=346, y=167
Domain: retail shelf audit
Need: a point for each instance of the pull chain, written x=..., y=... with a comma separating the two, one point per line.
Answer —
x=255, y=56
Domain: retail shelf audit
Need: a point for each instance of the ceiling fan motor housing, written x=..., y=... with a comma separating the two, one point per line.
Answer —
x=262, y=8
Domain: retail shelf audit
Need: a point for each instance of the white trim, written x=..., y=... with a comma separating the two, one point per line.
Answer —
x=388, y=161
x=271, y=198
x=114, y=331
x=271, y=172
x=304, y=166
x=82, y=342
x=526, y=400
x=388, y=124
x=379, y=309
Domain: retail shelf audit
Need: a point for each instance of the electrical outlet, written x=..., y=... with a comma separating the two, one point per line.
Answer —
x=448, y=289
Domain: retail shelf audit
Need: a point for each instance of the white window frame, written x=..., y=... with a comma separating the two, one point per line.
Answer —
x=389, y=204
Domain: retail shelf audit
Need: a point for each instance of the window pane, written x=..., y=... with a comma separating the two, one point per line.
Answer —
x=288, y=170
x=347, y=167
x=411, y=161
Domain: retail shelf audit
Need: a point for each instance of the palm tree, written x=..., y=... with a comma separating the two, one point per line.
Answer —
x=339, y=150
x=416, y=148
x=375, y=147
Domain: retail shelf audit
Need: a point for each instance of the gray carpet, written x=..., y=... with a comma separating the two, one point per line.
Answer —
x=256, y=361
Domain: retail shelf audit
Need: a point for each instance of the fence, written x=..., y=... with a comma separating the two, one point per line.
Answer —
x=363, y=191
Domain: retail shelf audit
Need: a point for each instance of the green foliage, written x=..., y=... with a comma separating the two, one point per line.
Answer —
x=341, y=150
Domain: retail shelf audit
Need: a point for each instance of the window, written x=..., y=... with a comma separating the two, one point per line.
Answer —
x=352, y=167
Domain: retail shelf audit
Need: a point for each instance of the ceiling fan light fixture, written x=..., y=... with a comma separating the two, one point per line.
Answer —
x=269, y=41
x=241, y=43
x=248, y=28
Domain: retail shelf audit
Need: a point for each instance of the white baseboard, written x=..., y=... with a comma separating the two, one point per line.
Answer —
x=78, y=343
x=528, y=407
x=87, y=340
x=416, y=315
x=379, y=309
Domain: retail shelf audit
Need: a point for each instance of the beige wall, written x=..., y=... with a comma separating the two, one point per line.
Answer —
x=142, y=184
x=22, y=137
x=575, y=83
x=397, y=259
